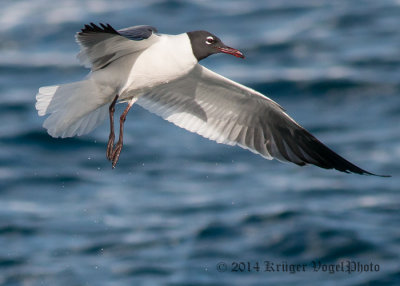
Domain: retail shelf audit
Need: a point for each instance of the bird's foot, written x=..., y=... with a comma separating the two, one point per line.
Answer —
x=116, y=153
x=110, y=146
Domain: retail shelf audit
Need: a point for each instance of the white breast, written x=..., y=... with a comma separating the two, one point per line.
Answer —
x=170, y=58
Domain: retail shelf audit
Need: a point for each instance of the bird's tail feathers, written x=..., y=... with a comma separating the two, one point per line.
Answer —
x=75, y=108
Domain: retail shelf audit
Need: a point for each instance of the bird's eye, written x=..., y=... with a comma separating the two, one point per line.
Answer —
x=209, y=40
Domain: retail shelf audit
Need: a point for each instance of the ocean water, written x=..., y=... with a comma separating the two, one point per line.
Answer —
x=182, y=210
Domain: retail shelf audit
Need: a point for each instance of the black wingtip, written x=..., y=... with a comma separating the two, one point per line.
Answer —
x=382, y=176
x=316, y=153
x=93, y=28
x=360, y=171
x=353, y=169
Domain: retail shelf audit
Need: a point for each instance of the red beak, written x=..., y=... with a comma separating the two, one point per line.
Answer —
x=231, y=51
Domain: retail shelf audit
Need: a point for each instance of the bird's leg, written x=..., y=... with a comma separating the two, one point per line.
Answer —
x=111, y=137
x=118, y=146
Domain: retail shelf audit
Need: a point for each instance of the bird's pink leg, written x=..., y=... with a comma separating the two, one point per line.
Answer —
x=111, y=137
x=118, y=146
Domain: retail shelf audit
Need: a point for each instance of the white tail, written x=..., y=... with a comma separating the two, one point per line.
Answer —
x=75, y=108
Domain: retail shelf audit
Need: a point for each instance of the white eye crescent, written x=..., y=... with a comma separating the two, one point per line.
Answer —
x=209, y=40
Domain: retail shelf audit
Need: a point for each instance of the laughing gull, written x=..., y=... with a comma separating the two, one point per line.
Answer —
x=162, y=74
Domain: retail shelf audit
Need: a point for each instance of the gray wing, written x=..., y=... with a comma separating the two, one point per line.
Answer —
x=138, y=33
x=217, y=108
x=102, y=45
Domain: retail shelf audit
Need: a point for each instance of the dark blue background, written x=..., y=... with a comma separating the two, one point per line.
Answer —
x=178, y=204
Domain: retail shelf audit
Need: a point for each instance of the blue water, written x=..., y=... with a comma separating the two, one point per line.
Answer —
x=178, y=205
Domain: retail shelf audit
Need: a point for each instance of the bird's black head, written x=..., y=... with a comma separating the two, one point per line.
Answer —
x=205, y=44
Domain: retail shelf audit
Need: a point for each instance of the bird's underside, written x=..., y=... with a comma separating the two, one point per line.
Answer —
x=199, y=101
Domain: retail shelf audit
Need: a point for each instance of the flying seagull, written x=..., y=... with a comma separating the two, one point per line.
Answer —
x=162, y=74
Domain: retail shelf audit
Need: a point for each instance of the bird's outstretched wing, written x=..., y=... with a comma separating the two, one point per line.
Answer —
x=217, y=108
x=102, y=45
